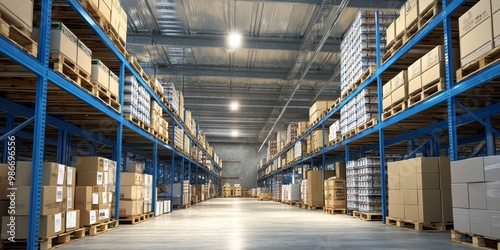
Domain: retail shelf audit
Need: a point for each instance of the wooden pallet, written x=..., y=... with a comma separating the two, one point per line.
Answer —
x=183, y=206
x=490, y=58
x=69, y=69
x=392, y=50
x=18, y=37
x=427, y=92
x=101, y=227
x=105, y=25
x=430, y=12
x=475, y=240
x=107, y=97
x=395, y=109
x=136, y=219
x=333, y=211
x=136, y=121
x=418, y=226
x=351, y=133
x=304, y=206
x=53, y=242
x=367, y=216
x=367, y=125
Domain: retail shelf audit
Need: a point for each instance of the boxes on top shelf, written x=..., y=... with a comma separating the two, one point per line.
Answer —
x=63, y=41
x=476, y=32
x=20, y=11
x=425, y=5
x=84, y=57
x=401, y=22
x=411, y=12
x=391, y=34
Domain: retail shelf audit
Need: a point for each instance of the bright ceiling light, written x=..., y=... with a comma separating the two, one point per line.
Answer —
x=234, y=40
x=234, y=133
x=234, y=106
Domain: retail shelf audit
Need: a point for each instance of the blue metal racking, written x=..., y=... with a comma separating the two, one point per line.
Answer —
x=376, y=139
x=164, y=157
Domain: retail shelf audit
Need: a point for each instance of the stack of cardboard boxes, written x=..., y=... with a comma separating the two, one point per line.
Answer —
x=57, y=213
x=317, y=109
x=158, y=123
x=112, y=11
x=315, y=187
x=226, y=190
x=92, y=196
x=131, y=194
x=334, y=131
x=419, y=190
x=335, y=193
x=272, y=149
x=476, y=199
x=178, y=138
x=292, y=132
x=21, y=12
x=277, y=190
x=100, y=74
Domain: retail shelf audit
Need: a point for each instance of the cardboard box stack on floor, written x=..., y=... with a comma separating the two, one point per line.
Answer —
x=93, y=194
x=237, y=190
x=335, y=193
x=56, y=206
x=419, y=190
x=475, y=194
x=291, y=192
x=314, y=186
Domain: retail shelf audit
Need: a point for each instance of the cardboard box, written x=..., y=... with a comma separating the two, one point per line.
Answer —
x=430, y=207
x=396, y=211
x=4, y=181
x=131, y=192
x=396, y=196
x=70, y=176
x=480, y=222
x=387, y=89
x=52, y=173
x=90, y=178
x=91, y=164
x=410, y=197
x=468, y=170
x=21, y=11
x=393, y=171
x=130, y=208
x=88, y=218
x=52, y=199
x=428, y=181
x=401, y=22
x=477, y=195
x=84, y=57
x=105, y=9
x=315, y=186
x=69, y=201
x=72, y=220
x=87, y=197
x=493, y=195
x=99, y=73
x=131, y=179
x=492, y=167
x=319, y=106
x=391, y=33
x=49, y=225
x=104, y=214
x=495, y=224
x=63, y=41
x=114, y=83
x=461, y=220
x=411, y=212
x=424, y=6
x=496, y=28
x=476, y=32
x=411, y=7
x=386, y=103
x=400, y=87
x=415, y=78
x=460, y=195
x=447, y=208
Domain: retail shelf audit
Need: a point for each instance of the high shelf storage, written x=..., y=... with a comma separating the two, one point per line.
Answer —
x=454, y=118
x=63, y=114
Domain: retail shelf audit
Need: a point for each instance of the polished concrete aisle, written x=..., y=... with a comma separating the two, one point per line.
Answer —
x=232, y=223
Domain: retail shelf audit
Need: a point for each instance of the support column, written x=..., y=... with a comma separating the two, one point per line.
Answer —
x=118, y=147
x=490, y=138
x=155, y=175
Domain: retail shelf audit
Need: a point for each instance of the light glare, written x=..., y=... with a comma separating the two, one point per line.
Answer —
x=234, y=40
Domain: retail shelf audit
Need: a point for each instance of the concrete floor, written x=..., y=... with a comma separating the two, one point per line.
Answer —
x=233, y=223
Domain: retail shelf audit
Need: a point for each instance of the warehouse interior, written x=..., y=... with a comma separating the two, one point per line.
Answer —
x=254, y=124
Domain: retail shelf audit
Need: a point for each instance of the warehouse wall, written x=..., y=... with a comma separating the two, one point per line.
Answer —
x=246, y=170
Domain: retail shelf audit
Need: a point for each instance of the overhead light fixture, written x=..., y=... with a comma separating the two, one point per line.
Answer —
x=234, y=133
x=234, y=106
x=234, y=40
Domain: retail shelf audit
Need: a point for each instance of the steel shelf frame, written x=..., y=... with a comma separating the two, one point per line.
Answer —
x=44, y=74
x=453, y=89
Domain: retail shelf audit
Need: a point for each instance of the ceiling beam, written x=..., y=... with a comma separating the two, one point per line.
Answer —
x=317, y=2
x=376, y=4
x=263, y=43
x=225, y=72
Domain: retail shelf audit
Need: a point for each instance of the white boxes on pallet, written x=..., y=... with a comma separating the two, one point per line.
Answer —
x=84, y=57
x=99, y=73
x=114, y=83
x=20, y=10
x=137, y=101
x=476, y=32
x=63, y=41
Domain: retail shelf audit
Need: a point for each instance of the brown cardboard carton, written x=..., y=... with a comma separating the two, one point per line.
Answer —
x=90, y=178
x=17, y=227
x=114, y=83
x=430, y=207
x=131, y=192
x=86, y=197
x=319, y=106
x=476, y=32
x=340, y=170
x=411, y=212
x=91, y=164
x=105, y=9
x=88, y=218
x=391, y=33
x=399, y=87
x=104, y=214
x=396, y=211
x=424, y=6
x=131, y=179
x=4, y=181
x=69, y=201
x=428, y=181
x=21, y=11
x=130, y=208
x=410, y=197
x=72, y=220
x=401, y=22
x=70, y=176
x=84, y=57
x=99, y=73
x=411, y=7
x=496, y=28
x=414, y=77
x=52, y=199
x=52, y=173
x=387, y=89
x=396, y=197
x=447, y=208
x=393, y=171
x=386, y=102
x=315, y=186
x=63, y=41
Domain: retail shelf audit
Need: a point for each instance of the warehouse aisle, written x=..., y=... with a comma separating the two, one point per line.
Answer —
x=233, y=223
